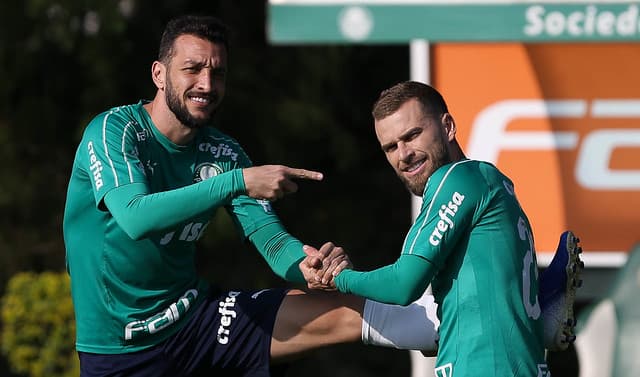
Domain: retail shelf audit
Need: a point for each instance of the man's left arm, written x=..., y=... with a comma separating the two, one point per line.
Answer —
x=280, y=250
x=286, y=256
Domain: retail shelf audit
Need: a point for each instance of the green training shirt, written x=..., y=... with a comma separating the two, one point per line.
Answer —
x=133, y=276
x=473, y=241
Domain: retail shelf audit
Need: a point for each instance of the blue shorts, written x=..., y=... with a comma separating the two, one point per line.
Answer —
x=228, y=335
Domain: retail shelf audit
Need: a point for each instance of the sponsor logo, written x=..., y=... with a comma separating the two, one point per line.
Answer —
x=190, y=232
x=266, y=205
x=593, y=168
x=161, y=320
x=95, y=166
x=206, y=170
x=543, y=371
x=228, y=314
x=446, y=213
x=143, y=135
x=219, y=150
x=444, y=371
x=588, y=22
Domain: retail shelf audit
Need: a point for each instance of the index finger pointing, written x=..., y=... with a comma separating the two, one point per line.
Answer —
x=305, y=174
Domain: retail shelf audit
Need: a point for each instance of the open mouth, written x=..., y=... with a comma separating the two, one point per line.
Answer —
x=201, y=100
x=414, y=168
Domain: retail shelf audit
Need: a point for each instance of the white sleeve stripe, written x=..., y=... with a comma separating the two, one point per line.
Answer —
x=426, y=218
x=106, y=149
x=124, y=154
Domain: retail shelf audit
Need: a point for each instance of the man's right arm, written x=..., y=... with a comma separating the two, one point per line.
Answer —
x=140, y=213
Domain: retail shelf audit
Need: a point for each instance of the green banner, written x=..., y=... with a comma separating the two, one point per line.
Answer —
x=377, y=22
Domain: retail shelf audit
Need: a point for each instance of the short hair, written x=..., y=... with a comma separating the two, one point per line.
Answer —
x=392, y=98
x=206, y=27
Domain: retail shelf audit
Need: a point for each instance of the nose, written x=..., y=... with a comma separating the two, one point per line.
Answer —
x=405, y=152
x=205, y=80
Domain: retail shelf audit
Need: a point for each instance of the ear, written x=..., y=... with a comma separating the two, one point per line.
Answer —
x=449, y=126
x=158, y=74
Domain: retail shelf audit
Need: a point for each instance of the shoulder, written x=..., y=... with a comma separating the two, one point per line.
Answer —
x=464, y=170
x=115, y=120
x=465, y=176
x=479, y=179
x=467, y=170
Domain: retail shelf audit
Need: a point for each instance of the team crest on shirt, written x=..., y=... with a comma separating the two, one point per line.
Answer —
x=206, y=170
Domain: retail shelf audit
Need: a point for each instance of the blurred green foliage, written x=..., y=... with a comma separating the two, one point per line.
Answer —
x=38, y=328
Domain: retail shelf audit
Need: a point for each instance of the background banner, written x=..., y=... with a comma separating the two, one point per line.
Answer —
x=563, y=121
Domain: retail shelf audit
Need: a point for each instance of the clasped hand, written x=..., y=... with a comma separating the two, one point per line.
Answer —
x=321, y=266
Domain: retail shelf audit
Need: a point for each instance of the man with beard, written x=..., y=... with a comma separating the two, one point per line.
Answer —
x=471, y=240
x=146, y=180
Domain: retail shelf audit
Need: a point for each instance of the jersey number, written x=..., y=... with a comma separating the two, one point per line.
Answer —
x=529, y=272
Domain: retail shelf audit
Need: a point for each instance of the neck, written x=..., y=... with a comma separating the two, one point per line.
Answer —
x=456, y=152
x=166, y=122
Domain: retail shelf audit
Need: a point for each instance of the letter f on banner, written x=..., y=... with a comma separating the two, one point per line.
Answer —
x=489, y=132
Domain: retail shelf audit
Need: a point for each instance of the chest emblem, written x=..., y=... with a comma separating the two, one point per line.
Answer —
x=206, y=170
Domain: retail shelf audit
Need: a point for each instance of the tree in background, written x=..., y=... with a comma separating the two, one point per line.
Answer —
x=53, y=76
x=38, y=328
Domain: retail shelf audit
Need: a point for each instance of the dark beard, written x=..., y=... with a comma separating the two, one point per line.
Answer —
x=417, y=186
x=180, y=110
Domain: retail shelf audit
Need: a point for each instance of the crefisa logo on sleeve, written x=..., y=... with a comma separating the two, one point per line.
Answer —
x=95, y=166
x=206, y=170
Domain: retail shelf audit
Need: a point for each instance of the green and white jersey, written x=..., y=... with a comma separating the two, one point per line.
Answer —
x=472, y=228
x=129, y=293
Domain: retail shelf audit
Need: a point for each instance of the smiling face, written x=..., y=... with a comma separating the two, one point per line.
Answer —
x=415, y=144
x=195, y=79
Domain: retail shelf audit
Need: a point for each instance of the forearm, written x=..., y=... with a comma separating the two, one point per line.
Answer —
x=281, y=250
x=139, y=213
x=400, y=283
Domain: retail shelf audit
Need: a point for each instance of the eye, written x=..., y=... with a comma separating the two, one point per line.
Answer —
x=389, y=148
x=191, y=69
x=414, y=134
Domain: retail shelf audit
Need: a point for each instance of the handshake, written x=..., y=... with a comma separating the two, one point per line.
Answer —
x=320, y=267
